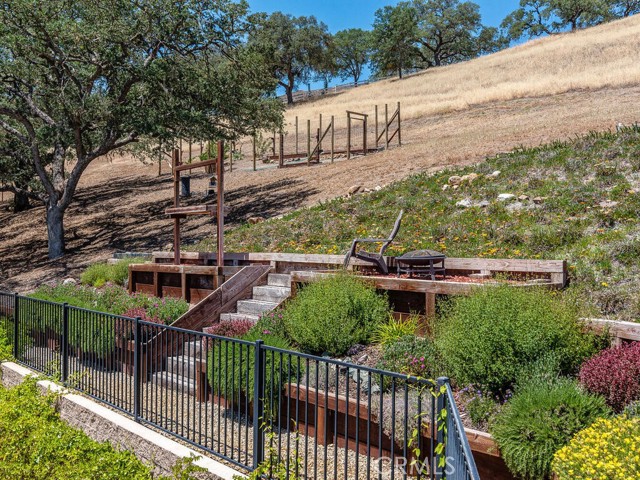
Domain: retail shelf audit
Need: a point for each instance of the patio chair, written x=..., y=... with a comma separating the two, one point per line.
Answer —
x=375, y=258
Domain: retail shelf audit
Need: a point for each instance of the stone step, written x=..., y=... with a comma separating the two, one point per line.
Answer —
x=279, y=280
x=255, y=307
x=268, y=293
x=192, y=349
x=225, y=317
x=174, y=381
x=184, y=366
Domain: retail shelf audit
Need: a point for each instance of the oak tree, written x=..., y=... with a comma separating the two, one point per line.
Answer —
x=82, y=78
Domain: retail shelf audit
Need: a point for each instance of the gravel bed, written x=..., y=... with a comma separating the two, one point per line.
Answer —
x=229, y=432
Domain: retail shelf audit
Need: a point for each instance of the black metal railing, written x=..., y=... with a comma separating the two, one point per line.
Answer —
x=249, y=403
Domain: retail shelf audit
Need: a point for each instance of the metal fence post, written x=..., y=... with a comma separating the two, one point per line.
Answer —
x=136, y=371
x=65, y=343
x=441, y=404
x=258, y=405
x=16, y=317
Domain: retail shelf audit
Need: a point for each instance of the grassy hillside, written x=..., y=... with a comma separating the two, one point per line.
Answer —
x=588, y=214
x=602, y=56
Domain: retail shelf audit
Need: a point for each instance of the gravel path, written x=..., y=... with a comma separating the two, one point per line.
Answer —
x=229, y=432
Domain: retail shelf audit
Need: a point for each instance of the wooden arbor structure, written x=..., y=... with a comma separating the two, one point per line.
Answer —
x=177, y=212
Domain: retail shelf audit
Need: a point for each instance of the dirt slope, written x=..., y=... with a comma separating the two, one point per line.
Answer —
x=120, y=202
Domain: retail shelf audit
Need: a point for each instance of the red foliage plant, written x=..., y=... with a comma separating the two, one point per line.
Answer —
x=124, y=328
x=230, y=328
x=615, y=374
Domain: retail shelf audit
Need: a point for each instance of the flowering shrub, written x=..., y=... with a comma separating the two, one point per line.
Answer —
x=480, y=406
x=614, y=374
x=271, y=323
x=410, y=355
x=541, y=418
x=607, y=450
x=230, y=329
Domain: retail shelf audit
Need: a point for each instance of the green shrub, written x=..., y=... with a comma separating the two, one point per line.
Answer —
x=332, y=314
x=540, y=419
x=393, y=330
x=6, y=351
x=99, y=274
x=411, y=355
x=608, y=449
x=113, y=299
x=490, y=337
x=36, y=444
x=231, y=367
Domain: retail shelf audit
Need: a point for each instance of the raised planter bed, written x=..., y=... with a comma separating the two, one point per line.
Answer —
x=486, y=454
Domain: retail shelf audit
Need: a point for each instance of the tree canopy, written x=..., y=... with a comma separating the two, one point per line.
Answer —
x=544, y=17
x=80, y=79
x=293, y=47
x=395, y=30
x=352, y=49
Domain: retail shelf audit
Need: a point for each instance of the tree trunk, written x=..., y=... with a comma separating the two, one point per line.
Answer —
x=20, y=202
x=289, y=94
x=400, y=72
x=55, y=230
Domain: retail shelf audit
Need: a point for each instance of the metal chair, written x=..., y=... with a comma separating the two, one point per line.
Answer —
x=376, y=258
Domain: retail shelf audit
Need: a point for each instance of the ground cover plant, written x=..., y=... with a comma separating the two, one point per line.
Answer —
x=607, y=450
x=586, y=192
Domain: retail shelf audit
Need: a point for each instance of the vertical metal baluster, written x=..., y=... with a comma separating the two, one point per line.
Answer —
x=358, y=388
x=393, y=427
x=407, y=429
x=369, y=425
x=326, y=418
x=380, y=423
x=335, y=424
x=346, y=425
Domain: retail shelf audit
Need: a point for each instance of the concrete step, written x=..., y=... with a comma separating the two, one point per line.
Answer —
x=174, y=381
x=255, y=307
x=268, y=293
x=225, y=317
x=184, y=366
x=192, y=349
x=279, y=280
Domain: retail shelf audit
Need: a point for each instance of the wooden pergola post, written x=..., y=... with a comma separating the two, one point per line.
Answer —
x=308, y=142
x=254, y=153
x=175, y=162
x=386, y=125
x=348, y=135
x=281, y=151
x=376, y=120
x=364, y=135
x=399, y=127
x=220, y=204
x=333, y=137
x=319, y=138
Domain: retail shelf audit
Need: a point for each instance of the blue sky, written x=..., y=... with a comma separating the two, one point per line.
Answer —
x=341, y=14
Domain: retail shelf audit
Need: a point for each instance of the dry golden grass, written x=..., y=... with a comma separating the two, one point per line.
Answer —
x=603, y=56
x=544, y=90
